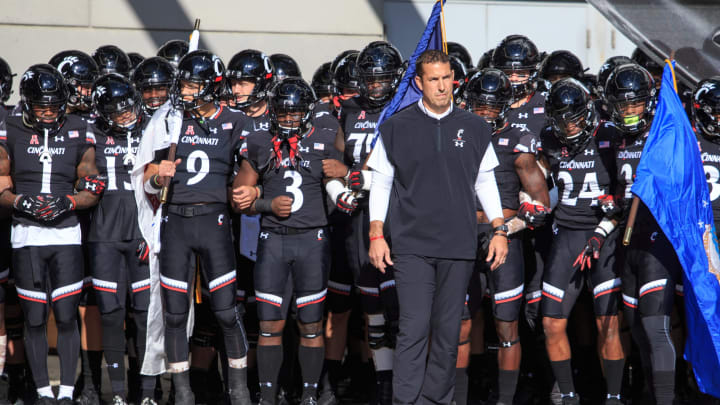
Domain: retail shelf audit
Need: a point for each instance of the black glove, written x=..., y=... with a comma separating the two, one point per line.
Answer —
x=143, y=252
x=534, y=215
x=94, y=184
x=53, y=208
x=609, y=206
x=356, y=180
x=27, y=204
x=532, y=310
x=590, y=251
x=346, y=202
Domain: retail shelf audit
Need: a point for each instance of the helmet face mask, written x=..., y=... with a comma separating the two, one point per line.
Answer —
x=79, y=71
x=345, y=73
x=322, y=81
x=154, y=96
x=519, y=58
x=571, y=113
x=117, y=103
x=153, y=78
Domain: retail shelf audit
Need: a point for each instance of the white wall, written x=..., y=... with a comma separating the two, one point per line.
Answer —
x=480, y=25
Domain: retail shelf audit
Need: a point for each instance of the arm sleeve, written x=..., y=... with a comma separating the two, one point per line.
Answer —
x=486, y=186
x=381, y=184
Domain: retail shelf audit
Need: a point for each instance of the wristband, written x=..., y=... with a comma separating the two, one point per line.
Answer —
x=377, y=237
x=150, y=187
x=156, y=181
x=605, y=227
x=263, y=206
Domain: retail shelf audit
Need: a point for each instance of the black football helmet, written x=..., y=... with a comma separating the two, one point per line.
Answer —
x=285, y=66
x=173, y=50
x=79, y=71
x=460, y=98
x=344, y=69
x=254, y=66
x=569, y=104
x=117, y=103
x=610, y=64
x=590, y=80
x=6, y=80
x=461, y=76
x=485, y=59
x=559, y=65
x=322, y=81
x=706, y=107
x=135, y=59
x=380, y=68
x=460, y=52
x=111, y=59
x=291, y=95
x=200, y=67
x=43, y=86
x=153, y=76
x=641, y=58
x=489, y=94
x=517, y=53
x=628, y=85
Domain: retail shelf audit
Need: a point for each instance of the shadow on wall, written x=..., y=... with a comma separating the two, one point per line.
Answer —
x=407, y=24
x=163, y=20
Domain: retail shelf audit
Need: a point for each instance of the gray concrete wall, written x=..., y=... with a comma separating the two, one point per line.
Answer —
x=312, y=31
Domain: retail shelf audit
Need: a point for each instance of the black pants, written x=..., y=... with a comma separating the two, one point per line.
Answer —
x=431, y=294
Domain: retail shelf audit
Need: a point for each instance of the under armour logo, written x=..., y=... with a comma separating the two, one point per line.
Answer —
x=506, y=344
x=459, y=141
x=262, y=126
x=589, y=152
x=304, y=150
x=264, y=235
x=213, y=130
x=59, y=138
x=522, y=115
x=220, y=220
x=91, y=186
x=27, y=204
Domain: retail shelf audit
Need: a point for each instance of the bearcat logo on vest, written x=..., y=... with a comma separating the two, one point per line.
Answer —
x=459, y=141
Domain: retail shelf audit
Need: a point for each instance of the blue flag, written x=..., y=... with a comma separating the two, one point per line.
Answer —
x=408, y=92
x=671, y=182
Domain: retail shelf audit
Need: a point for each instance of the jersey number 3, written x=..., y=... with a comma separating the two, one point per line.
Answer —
x=294, y=189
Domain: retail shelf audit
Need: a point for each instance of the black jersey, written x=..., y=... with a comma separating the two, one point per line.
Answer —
x=207, y=149
x=32, y=177
x=303, y=182
x=710, y=155
x=87, y=116
x=358, y=125
x=509, y=143
x=530, y=117
x=582, y=177
x=115, y=216
x=628, y=152
x=325, y=116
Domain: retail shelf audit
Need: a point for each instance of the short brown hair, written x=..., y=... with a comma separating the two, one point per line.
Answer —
x=430, y=56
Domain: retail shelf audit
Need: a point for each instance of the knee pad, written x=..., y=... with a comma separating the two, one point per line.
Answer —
x=228, y=318
x=176, y=321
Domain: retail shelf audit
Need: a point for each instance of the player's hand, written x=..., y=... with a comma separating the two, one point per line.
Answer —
x=534, y=215
x=282, y=206
x=379, y=253
x=27, y=204
x=346, y=202
x=94, y=184
x=590, y=251
x=53, y=208
x=334, y=168
x=608, y=205
x=167, y=168
x=244, y=196
x=5, y=183
x=497, y=251
x=356, y=180
x=143, y=251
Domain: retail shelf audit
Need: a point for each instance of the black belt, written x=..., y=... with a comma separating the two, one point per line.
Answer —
x=286, y=230
x=193, y=210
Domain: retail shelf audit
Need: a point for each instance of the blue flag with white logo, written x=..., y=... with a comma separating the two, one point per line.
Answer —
x=407, y=93
x=671, y=182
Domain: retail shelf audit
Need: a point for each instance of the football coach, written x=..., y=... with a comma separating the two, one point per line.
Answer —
x=436, y=161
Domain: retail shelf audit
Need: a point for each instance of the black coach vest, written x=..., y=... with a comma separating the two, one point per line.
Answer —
x=432, y=209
